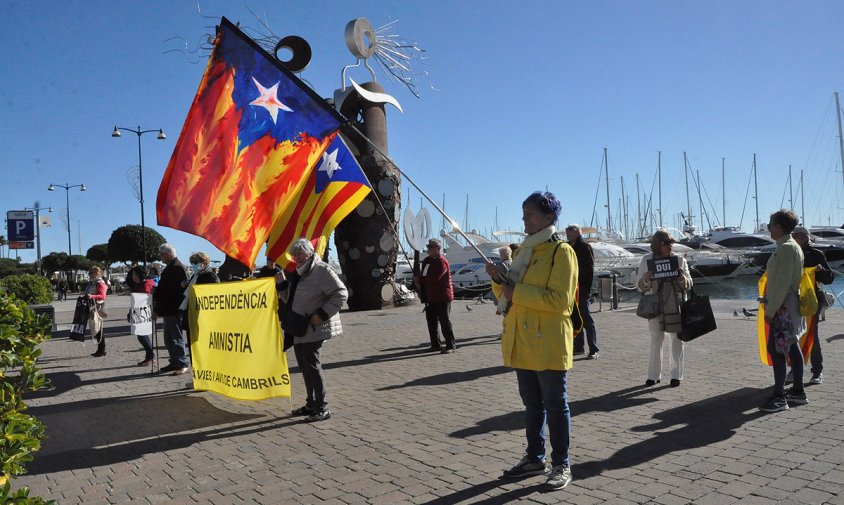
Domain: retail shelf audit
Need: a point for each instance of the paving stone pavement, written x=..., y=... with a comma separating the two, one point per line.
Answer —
x=410, y=426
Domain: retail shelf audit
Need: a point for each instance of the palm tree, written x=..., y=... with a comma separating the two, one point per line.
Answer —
x=3, y=242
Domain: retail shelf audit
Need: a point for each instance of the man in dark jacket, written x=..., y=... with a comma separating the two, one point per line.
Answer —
x=166, y=299
x=586, y=270
x=436, y=291
x=823, y=274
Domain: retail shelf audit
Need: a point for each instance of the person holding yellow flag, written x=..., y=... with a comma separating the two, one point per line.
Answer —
x=813, y=257
x=782, y=311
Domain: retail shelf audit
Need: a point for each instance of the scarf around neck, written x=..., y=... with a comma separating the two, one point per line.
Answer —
x=520, y=263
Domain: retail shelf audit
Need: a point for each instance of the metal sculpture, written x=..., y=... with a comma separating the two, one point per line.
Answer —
x=367, y=242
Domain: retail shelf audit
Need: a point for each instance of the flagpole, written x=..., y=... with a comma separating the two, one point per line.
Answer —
x=454, y=224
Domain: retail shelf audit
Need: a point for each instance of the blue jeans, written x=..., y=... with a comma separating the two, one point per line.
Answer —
x=146, y=343
x=175, y=341
x=778, y=360
x=544, y=396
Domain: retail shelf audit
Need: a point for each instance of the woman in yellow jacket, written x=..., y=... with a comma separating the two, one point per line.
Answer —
x=536, y=298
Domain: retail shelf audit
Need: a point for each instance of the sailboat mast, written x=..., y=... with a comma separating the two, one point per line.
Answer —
x=723, y=195
x=466, y=219
x=607, y=177
x=442, y=215
x=659, y=175
x=624, y=209
x=700, y=199
x=840, y=134
x=790, y=190
x=755, y=193
x=686, y=174
x=802, y=200
x=638, y=208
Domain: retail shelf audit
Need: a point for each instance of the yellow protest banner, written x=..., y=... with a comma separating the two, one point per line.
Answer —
x=236, y=343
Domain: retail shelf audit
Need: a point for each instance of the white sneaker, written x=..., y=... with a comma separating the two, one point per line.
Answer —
x=559, y=477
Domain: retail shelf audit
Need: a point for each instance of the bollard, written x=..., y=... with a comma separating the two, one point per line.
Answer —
x=614, y=277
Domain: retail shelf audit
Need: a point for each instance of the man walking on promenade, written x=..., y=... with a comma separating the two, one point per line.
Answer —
x=436, y=291
x=167, y=298
x=586, y=270
x=814, y=258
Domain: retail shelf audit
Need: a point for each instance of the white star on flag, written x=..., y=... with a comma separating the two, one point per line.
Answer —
x=269, y=100
x=329, y=163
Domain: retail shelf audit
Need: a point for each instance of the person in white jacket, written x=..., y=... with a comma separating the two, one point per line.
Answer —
x=671, y=291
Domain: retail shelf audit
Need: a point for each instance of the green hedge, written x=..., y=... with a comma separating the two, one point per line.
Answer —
x=33, y=289
x=21, y=332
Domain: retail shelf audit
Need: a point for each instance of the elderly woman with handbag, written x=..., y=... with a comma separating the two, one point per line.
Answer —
x=313, y=295
x=96, y=291
x=668, y=294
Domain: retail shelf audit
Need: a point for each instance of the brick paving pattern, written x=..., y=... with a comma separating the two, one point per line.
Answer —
x=414, y=427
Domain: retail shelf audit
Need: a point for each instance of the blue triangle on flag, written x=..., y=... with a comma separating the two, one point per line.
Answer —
x=338, y=164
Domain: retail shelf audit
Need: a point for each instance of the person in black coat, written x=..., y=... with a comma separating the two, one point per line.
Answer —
x=586, y=271
x=200, y=273
x=167, y=298
x=823, y=275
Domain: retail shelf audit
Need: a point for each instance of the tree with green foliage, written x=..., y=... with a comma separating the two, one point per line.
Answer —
x=125, y=244
x=78, y=262
x=14, y=267
x=33, y=289
x=54, y=262
x=98, y=254
x=21, y=332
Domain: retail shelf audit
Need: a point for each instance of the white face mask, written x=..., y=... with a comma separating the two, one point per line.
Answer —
x=196, y=268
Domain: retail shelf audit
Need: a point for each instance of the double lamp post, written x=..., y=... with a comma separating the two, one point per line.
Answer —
x=139, y=132
x=66, y=188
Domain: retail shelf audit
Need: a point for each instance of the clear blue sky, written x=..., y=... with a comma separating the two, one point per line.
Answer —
x=527, y=97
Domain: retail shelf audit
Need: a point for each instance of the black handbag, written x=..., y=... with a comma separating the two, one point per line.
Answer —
x=649, y=306
x=293, y=323
x=697, y=317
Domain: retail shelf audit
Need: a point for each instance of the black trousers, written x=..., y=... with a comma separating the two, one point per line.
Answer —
x=438, y=313
x=815, y=356
x=99, y=338
x=307, y=356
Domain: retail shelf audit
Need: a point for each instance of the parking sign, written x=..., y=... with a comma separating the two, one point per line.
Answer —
x=21, y=225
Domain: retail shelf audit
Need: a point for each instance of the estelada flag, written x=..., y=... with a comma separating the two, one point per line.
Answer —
x=332, y=191
x=251, y=138
x=807, y=339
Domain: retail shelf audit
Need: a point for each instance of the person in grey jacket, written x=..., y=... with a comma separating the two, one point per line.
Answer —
x=318, y=294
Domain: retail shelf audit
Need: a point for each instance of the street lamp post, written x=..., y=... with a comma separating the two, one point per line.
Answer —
x=38, y=210
x=139, y=132
x=67, y=188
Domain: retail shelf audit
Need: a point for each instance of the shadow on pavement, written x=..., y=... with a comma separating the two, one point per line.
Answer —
x=451, y=377
x=609, y=402
x=473, y=492
x=460, y=342
x=415, y=351
x=103, y=432
x=65, y=381
x=697, y=424
x=835, y=337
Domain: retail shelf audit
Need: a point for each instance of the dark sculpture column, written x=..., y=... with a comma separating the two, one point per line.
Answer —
x=365, y=241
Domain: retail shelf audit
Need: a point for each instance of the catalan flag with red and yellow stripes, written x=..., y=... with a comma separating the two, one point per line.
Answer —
x=807, y=339
x=333, y=190
x=251, y=139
